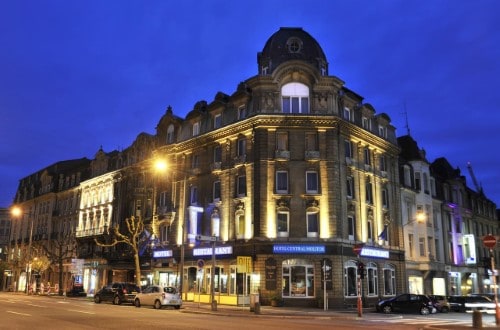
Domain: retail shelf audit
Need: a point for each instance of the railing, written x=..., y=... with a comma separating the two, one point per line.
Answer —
x=282, y=154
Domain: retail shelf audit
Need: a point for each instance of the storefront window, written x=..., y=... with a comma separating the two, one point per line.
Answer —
x=298, y=278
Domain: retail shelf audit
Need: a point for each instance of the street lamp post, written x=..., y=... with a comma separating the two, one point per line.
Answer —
x=17, y=212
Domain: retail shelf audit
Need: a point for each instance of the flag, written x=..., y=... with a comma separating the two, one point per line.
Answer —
x=383, y=234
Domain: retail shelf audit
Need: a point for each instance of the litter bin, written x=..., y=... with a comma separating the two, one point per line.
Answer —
x=254, y=299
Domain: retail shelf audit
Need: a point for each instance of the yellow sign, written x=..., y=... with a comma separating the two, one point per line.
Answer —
x=244, y=264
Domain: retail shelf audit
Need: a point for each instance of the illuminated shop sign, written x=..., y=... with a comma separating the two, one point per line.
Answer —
x=374, y=253
x=208, y=251
x=162, y=254
x=303, y=249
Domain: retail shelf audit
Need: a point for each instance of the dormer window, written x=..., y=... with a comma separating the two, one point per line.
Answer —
x=295, y=98
x=196, y=129
x=170, y=134
x=217, y=120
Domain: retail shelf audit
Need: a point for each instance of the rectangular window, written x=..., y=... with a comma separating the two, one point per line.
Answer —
x=368, y=160
x=421, y=246
x=312, y=224
x=348, y=149
x=218, y=154
x=366, y=123
x=382, y=131
x=385, y=198
x=240, y=225
x=195, y=161
x=282, y=182
x=282, y=141
x=311, y=142
x=242, y=112
x=411, y=244
x=242, y=185
x=351, y=228
x=293, y=104
x=196, y=129
x=216, y=190
x=369, y=193
x=312, y=182
x=347, y=114
x=369, y=229
x=217, y=120
x=194, y=195
x=282, y=224
x=383, y=163
x=241, y=147
x=350, y=187
x=389, y=282
x=417, y=181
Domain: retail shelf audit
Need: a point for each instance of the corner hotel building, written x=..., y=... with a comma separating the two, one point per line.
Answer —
x=292, y=172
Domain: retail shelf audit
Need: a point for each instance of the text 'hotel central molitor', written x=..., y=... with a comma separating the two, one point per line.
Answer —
x=295, y=176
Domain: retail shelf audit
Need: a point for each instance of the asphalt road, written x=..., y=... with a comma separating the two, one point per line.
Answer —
x=19, y=311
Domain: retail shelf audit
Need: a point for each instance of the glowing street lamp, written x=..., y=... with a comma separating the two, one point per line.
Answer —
x=17, y=212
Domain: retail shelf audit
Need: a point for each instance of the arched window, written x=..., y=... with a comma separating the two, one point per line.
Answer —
x=170, y=134
x=350, y=279
x=295, y=98
x=371, y=279
x=389, y=280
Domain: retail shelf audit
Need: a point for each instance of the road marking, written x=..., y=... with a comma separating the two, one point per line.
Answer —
x=23, y=314
x=37, y=306
x=77, y=311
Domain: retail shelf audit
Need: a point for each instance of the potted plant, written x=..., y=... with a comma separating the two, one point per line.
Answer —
x=276, y=300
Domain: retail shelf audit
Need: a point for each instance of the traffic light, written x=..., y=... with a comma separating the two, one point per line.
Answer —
x=361, y=270
x=487, y=266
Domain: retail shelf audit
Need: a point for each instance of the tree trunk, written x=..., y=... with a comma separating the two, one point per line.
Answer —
x=137, y=268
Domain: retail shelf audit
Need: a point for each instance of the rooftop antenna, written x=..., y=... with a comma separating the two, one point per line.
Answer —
x=407, y=126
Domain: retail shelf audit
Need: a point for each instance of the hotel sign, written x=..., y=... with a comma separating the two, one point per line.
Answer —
x=162, y=254
x=298, y=249
x=374, y=253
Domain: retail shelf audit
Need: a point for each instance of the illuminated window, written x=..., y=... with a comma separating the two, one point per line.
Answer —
x=298, y=278
x=295, y=98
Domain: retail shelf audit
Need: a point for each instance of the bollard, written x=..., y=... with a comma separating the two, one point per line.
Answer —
x=477, y=319
x=256, y=308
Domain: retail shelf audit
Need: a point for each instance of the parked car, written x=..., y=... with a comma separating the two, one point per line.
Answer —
x=117, y=293
x=441, y=303
x=469, y=303
x=407, y=303
x=159, y=296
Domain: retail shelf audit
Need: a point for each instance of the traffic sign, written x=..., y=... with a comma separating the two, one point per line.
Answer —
x=357, y=248
x=489, y=241
x=200, y=263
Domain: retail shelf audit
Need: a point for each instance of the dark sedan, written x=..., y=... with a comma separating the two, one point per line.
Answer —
x=407, y=303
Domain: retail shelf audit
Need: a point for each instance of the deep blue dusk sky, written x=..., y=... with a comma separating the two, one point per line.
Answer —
x=75, y=75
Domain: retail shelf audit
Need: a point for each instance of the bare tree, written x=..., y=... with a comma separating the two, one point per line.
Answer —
x=135, y=228
x=62, y=248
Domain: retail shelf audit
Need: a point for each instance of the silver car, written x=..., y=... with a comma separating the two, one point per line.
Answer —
x=158, y=296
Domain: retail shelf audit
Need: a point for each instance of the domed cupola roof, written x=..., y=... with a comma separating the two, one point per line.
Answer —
x=289, y=44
